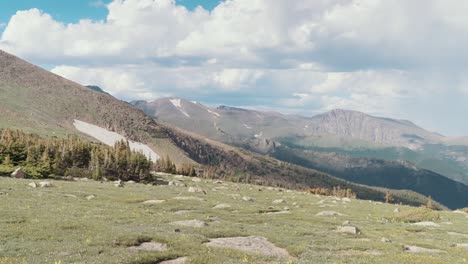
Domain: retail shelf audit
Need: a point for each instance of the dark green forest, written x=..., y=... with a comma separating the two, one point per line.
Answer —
x=74, y=157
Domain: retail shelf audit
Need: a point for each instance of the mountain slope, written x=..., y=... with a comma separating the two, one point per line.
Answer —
x=284, y=137
x=38, y=101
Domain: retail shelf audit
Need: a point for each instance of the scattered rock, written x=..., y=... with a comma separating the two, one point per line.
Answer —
x=329, y=213
x=427, y=224
x=153, y=202
x=397, y=210
x=196, y=179
x=218, y=182
x=248, y=199
x=187, y=198
x=196, y=190
x=349, y=229
x=462, y=245
x=385, y=240
x=276, y=213
x=416, y=249
x=190, y=223
x=345, y=199
x=18, y=173
x=131, y=182
x=33, y=185
x=90, y=197
x=71, y=196
x=84, y=179
x=278, y=201
x=346, y=223
x=222, y=206
x=45, y=184
x=181, y=260
x=177, y=184
x=251, y=244
x=150, y=246
x=183, y=211
x=119, y=183
x=286, y=208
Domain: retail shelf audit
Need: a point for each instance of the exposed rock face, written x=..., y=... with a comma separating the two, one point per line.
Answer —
x=352, y=124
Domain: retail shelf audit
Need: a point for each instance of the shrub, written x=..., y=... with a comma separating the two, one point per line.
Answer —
x=419, y=214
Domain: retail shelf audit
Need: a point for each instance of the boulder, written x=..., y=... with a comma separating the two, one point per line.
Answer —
x=153, y=202
x=190, y=223
x=177, y=184
x=251, y=244
x=33, y=185
x=18, y=173
x=416, y=249
x=196, y=190
x=329, y=213
x=278, y=201
x=348, y=229
x=248, y=199
x=385, y=240
x=150, y=246
x=427, y=224
x=45, y=184
x=119, y=183
x=462, y=245
x=90, y=197
x=222, y=206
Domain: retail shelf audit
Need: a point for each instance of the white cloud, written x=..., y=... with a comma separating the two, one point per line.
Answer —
x=390, y=57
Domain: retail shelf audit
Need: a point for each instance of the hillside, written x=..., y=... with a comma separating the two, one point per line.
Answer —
x=38, y=101
x=101, y=223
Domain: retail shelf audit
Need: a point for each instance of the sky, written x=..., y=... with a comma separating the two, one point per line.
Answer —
x=400, y=59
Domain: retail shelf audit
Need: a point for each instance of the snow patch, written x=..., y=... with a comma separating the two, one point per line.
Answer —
x=213, y=112
x=110, y=138
x=178, y=104
x=246, y=126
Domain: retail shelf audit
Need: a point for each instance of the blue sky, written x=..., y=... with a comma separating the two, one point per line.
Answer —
x=70, y=11
x=400, y=59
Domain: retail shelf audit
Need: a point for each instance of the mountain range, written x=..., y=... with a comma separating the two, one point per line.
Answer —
x=352, y=145
x=37, y=101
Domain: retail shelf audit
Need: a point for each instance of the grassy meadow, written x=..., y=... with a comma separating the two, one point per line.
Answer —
x=93, y=222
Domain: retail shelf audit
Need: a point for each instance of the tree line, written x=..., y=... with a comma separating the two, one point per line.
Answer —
x=71, y=156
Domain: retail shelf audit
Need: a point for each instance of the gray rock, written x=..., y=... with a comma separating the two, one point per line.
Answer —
x=251, y=244
x=196, y=179
x=153, y=202
x=416, y=249
x=385, y=240
x=196, y=190
x=248, y=199
x=181, y=260
x=119, y=183
x=426, y=224
x=177, y=184
x=278, y=201
x=222, y=206
x=45, y=184
x=150, y=246
x=32, y=184
x=397, y=210
x=329, y=213
x=90, y=197
x=190, y=223
x=348, y=229
x=462, y=245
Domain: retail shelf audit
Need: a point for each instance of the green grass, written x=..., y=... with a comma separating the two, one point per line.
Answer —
x=44, y=225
